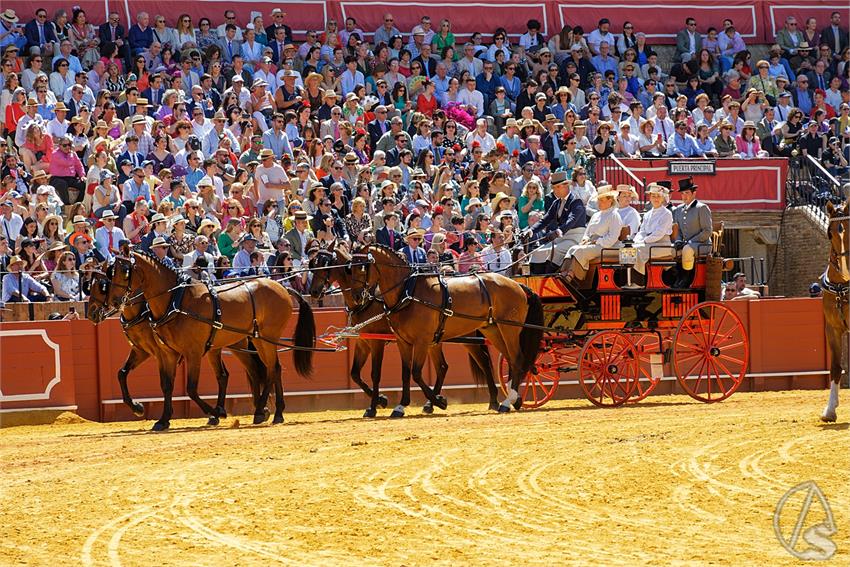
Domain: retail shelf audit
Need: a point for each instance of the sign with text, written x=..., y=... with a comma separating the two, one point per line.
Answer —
x=691, y=167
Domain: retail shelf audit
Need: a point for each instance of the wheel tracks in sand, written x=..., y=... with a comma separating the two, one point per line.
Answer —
x=115, y=530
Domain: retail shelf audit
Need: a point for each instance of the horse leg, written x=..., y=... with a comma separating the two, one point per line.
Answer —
x=361, y=354
x=268, y=355
x=193, y=373
x=480, y=356
x=441, y=368
x=378, y=399
x=221, y=376
x=404, y=354
x=167, y=361
x=136, y=357
x=834, y=346
x=501, y=339
x=417, y=363
x=279, y=404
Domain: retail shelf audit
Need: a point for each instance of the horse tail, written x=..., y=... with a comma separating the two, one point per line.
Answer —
x=530, y=337
x=305, y=336
x=481, y=375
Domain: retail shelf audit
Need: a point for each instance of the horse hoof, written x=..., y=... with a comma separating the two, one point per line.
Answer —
x=396, y=414
x=428, y=408
x=221, y=412
x=278, y=419
x=160, y=426
x=494, y=406
x=518, y=403
x=260, y=417
x=370, y=413
x=828, y=418
x=382, y=401
x=138, y=409
x=213, y=420
x=442, y=403
x=504, y=409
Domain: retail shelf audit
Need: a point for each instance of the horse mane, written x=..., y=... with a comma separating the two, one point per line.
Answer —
x=387, y=249
x=181, y=276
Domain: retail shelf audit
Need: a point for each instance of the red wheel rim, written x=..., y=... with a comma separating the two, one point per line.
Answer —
x=711, y=352
x=609, y=368
x=535, y=389
x=646, y=345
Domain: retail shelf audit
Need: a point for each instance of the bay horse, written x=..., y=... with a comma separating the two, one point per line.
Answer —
x=193, y=319
x=422, y=310
x=333, y=265
x=136, y=326
x=835, y=283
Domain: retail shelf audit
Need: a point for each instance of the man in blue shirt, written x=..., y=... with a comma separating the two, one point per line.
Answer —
x=604, y=62
x=20, y=287
x=276, y=139
x=681, y=144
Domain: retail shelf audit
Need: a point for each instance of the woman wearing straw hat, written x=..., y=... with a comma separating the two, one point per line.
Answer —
x=626, y=195
x=655, y=230
x=603, y=231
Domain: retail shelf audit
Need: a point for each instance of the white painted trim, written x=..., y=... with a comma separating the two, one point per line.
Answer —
x=51, y=408
x=633, y=7
x=446, y=387
x=57, y=362
x=431, y=5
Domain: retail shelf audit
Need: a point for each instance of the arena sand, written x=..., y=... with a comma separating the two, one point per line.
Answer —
x=667, y=481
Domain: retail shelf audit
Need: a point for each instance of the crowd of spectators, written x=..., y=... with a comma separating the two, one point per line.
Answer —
x=232, y=148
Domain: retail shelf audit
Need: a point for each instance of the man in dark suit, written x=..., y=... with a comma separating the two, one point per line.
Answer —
x=394, y=154
x=277, y=22
x=83, y=250
x=41, y=37
x=529, y=154
x=835, y=36
x=550, y=139
x=154, y=92
x=563, y=224
x=819, y=77
x=278, y=44
x=335, y=176
x=379, y=126
x=388, y=235
x=113, y=31
x=429, y=65
x=128, y=107
x=413, y=251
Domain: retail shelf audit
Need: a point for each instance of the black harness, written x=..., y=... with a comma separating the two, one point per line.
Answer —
x=840, y=291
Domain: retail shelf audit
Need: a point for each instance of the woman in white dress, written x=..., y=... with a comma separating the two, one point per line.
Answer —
x=603, y=231
x=655, y=230
x=626, y=195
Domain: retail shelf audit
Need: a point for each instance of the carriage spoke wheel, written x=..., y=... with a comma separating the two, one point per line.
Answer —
x=711, y=352
x=538, y=387
x=646, y=345
x=609, y=368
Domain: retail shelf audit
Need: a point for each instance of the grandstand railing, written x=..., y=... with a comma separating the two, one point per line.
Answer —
x=615, y=172
x=809, y=184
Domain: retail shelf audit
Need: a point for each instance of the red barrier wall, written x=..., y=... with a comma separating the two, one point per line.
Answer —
x=738, y=185
x=756, y=20
x=73, y=365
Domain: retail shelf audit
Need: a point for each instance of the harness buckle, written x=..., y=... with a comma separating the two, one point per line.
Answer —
x=448, y=312
x=217, y=325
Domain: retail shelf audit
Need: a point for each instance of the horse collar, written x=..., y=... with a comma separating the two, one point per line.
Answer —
x=841, y=291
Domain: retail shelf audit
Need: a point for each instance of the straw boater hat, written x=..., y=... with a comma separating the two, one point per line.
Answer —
x=57, y=246
x=205, y=223
x=329, y=93
x=627, y=189
x=158, y=217
x=60, y=107
x=80, y=219
x=159, y=242
x=749, y=124
x=108, y=214
x=657, y=189
x=500, y=196
x=9, y=16
x=606, y=191
x=205, y=181
x=138, y=119
x=475, y=201
x=39, y=174
x=32, y=102
x=414, y=232
x=14, y=260
x=300, y=215
x=266, y=153
x=142, y=102
x=313, y=77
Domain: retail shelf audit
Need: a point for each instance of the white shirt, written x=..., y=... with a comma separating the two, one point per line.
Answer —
x=497, y=261
x=657, y=226
x=488, y=143
x=604, y=228
x=274, y=174
x=596, y=37
x=23, y=123
x=57, y=129
x=11, y=228
x=630, y=218
x=467, y=97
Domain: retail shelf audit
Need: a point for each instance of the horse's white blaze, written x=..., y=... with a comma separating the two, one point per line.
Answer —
x=399, y=409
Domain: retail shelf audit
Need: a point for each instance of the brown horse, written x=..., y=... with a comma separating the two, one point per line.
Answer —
x=508, y=314
x=332, y=265
x=143, y=344
x=191, y=321
x=835, y=283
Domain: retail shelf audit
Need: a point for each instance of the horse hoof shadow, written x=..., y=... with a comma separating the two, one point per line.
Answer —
x=383, y=401
x=370, y=413
x=160, y=426
x=213, y=420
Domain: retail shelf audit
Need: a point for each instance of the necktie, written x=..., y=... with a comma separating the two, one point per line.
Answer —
x=663, y=130
x=110, y=242
x=41, y=34
x=383, y=127
x=113, y=32
x=230, y=49
x=392, y=239
x=837, y=46
x=561, y=208
x=498, y=262
x=279, y=52
x=820, y=82
x=336, y=130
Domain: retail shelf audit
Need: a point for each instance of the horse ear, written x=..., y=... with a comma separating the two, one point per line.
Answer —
x=332, y=245
x=830, y=208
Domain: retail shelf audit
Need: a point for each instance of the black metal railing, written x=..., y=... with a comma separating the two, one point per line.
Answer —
x=810, y=184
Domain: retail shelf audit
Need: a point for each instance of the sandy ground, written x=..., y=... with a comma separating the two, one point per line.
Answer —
x=668, y=481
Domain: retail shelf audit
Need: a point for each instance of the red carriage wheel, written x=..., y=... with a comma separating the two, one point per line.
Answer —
x=647, y=346
x=537, y=387
x=609, y=368
x=711, y=352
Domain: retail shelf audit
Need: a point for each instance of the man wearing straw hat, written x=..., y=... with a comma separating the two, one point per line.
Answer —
x=159, y=247
x=19, y=286
x=413, y=252
x=563, y=225
x=655, y=230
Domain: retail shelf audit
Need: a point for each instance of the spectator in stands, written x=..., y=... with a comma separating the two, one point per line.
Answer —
x=21, y=287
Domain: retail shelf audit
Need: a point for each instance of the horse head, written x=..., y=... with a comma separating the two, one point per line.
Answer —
x=838, y=233
x=98, y=308
x=321, y=265
x=120, y=276
x=363, y=278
